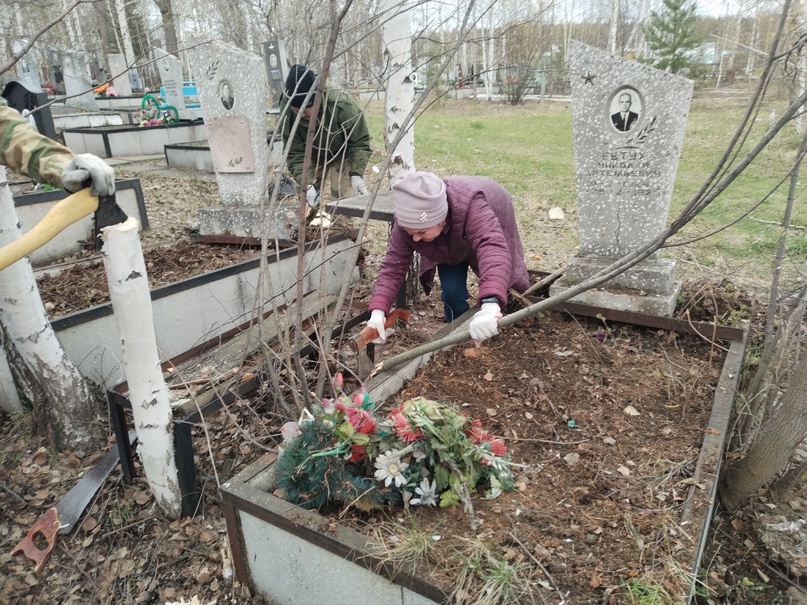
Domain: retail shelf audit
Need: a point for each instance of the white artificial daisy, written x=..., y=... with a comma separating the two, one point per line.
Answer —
x=389, y=468
x=426, y=491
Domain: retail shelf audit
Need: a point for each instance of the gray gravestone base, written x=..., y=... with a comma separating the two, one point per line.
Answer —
x=244, y=222
x=648, y=287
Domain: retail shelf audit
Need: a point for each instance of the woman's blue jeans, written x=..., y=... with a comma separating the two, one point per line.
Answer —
x=454, y=284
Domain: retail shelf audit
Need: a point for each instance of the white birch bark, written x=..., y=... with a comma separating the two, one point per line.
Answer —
x=148, y=393
x=123, y=24
x=71, y=24
x=749, y=66
x=115, y=31
x=489, y=56
x=400, y=97
x=66, y=406
x=612, y=32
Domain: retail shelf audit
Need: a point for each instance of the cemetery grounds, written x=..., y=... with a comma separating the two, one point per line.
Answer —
x=604, y=421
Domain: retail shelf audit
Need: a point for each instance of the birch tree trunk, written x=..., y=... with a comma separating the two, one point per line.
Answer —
x=126, y=35
x=73, y=28
x=749, y=66
x=400, y=97
x=65, y=404
x=491, y=55
x=148, y=393
x=612, y=32
x=169, y=25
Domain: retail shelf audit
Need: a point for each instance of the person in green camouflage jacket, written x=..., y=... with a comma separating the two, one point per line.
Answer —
x=341, y=145
x=46, y=161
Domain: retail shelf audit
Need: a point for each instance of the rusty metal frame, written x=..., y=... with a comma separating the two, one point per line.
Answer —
x=185, y=417
x=239, y=495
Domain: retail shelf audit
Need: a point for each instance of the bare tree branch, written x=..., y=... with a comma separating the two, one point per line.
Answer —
x=21, y=53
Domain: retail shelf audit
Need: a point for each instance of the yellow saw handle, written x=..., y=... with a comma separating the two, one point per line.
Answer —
x=61, y=216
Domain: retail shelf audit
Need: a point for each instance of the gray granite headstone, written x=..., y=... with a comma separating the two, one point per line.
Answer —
x=26, y=68
x=77, y=83
x=120, y=75
x=233, y=95
x=628, y=123
x=274, y=54
x=134, y=80
x=170, y=69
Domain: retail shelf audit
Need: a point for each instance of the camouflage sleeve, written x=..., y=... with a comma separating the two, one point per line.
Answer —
x=23, y=149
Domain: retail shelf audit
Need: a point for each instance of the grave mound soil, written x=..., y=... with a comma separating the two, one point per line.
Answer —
x=604, y=424
x=595, y=513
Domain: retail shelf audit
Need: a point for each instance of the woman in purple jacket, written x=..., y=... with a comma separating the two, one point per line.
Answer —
x=454, y=223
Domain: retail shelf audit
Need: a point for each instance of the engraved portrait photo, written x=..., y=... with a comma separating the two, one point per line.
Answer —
x=226, y=94
x=625, y=109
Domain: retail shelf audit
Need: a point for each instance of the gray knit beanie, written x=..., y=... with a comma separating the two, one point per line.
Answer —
x=420, y=200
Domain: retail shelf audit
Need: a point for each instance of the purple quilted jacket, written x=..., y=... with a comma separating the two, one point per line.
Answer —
x=480, y=228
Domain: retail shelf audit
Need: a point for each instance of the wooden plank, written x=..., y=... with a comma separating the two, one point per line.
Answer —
x=383, y=206
x=219, y=364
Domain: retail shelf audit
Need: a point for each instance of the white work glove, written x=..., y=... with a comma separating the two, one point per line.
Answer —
x=377, y=319
x=84, y=166
x=359, y=188
x=485, y=323
x=312, y=197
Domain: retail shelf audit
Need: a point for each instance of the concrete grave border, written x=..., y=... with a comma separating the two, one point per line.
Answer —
x=271, y=538
x=32, y=207
x=128, y=141
x=192, y=311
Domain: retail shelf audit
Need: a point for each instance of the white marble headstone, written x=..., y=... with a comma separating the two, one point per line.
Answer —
x=77, y=84
x=118, y=69
x=170, y=69
x=628, y=123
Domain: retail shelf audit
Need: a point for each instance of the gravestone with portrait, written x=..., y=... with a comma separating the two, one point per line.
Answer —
x=234, y=97
x=119, y=74
x=135, y=82
x=628, y=121
x=77, y=84
x=274, y=55
x=170, y=69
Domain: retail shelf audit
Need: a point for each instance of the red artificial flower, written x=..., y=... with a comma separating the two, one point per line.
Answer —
x=403, y=428
x=361, y=421
x=338, y=380
x=361, y=398
x=357, y=452
x=497, y=447
x=476, y=433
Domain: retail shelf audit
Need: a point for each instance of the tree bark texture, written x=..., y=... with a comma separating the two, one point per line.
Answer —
x=400, y=97
x=169, y=25
x=776, y=441
x=148, y=393
x=64, y=401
